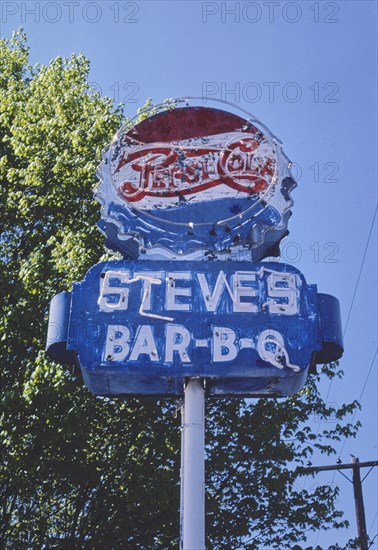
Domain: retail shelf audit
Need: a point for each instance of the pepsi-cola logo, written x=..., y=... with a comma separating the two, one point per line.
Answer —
x=165, y=171
x=194, y=181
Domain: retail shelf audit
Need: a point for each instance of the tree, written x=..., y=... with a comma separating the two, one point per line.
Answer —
x=80, y=471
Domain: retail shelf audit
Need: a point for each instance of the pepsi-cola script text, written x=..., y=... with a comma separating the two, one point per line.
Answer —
x=163, y=171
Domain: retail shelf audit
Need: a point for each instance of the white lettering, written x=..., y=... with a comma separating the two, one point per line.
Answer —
x=223, y=344
x=177, y=340
x=240, y=280
x=116, y=346
x=173, y=301
x=212, y=299
x=144, y=344
x=148, y=278
x=241, y=295
x=271, y=348
x=282, y=288
x=118, y=299
x=112, y=294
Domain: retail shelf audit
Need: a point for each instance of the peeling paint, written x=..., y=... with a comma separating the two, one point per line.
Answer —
x=195, y=181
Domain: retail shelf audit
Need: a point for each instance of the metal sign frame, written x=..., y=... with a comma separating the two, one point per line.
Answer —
x=249, y=329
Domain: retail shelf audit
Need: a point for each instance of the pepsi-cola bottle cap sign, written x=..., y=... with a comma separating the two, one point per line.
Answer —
x=194, y=181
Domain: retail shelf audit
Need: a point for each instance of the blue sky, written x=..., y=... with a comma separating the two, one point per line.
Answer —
x=308, y=71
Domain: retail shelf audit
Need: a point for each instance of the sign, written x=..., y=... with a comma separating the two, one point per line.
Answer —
x=195, y=182
x=180, y=184
x=143, y=327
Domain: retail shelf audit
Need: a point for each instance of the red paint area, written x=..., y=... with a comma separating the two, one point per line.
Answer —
x=171, y=170
x=186, y=123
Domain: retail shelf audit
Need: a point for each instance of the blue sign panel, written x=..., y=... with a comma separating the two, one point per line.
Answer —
x=143, y=327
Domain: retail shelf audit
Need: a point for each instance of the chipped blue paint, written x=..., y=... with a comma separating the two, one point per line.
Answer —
x=143, y=327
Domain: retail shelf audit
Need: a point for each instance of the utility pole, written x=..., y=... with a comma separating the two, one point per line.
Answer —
x=355, y=466
x=359, y=502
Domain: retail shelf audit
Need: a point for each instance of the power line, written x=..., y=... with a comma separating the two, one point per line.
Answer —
x=356, y=466
x=362, y=392
x=360, y=272
x=368, y=374
x=372, y=523
x=372, y=541
x=354, y=295
x=347, y=466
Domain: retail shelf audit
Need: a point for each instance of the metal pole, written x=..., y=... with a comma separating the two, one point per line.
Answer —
x=359, y=502
x=193, y=467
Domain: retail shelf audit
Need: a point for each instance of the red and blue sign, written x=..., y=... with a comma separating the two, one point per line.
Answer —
x=194, y=197
x=195, y=182
x=144, y=327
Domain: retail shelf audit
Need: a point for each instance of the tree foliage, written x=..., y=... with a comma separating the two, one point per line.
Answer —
x=79, y=471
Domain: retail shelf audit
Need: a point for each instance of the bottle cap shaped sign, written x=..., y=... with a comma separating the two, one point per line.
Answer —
x=188, y=181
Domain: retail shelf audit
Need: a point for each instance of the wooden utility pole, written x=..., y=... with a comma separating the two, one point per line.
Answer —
x=359, y=502
x=355, y=466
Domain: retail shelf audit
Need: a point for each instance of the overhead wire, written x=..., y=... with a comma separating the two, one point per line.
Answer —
x=354, y=295
x=361, y=394
x=344, y=332
x=360, y=272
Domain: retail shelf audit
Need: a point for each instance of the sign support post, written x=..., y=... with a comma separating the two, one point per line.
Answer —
x=193, y=466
